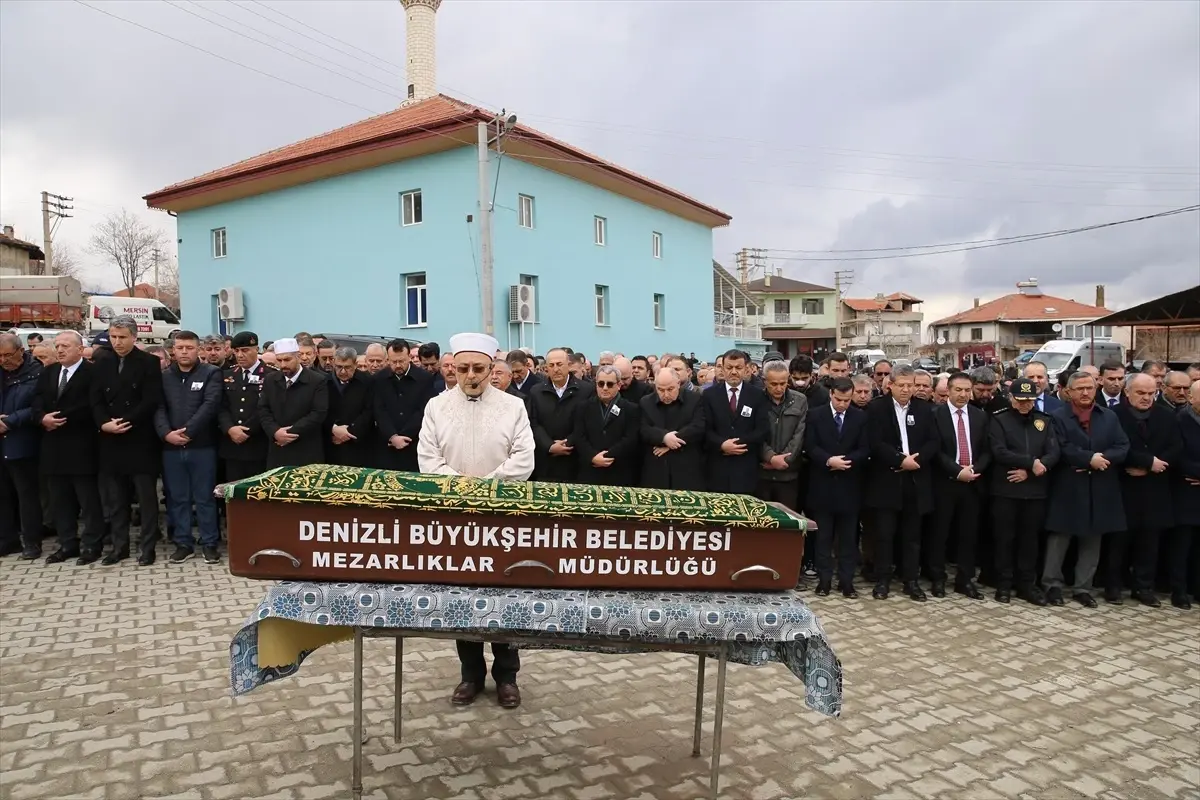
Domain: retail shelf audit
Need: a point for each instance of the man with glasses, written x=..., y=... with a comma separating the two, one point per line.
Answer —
x=400, y=392
x=882, y=372
x=351, y=421
x=607, y=433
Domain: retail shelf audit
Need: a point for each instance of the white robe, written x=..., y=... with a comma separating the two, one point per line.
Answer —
x=485, y=438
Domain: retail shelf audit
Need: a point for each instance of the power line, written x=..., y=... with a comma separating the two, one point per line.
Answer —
x=317, y=30
x=1002, y=242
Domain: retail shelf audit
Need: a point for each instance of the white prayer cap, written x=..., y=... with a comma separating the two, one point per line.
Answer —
x=286, y=346
x=474, y=343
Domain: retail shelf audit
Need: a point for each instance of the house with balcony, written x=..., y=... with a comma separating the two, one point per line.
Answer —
x=736, y=315
x=892, y=323
x=795, y=316
x=1002, y=329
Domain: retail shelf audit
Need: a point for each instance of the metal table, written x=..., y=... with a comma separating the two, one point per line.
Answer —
x=718, y=650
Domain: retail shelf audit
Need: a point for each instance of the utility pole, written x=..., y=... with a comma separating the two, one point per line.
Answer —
x=842, y=278
x=54, y=208
x=504, y=123
x=742, y=257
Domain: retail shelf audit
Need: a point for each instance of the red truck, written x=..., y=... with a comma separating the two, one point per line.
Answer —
x=40, y=301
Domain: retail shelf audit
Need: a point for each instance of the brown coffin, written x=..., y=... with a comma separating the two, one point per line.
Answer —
x=298, y=541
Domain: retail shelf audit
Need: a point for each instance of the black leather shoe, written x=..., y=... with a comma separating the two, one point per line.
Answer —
x=1147, y=598
x=465, y=693
x=113, y=558
x=969, y=590
x=508, y=695
x=1054, y=596
x=914, y=590
x=823, y=589
x=848, y=591
x=146, y=559
x=30, y=554
x=1113, y=597
x=1003, y=596
x=87, y=557
x=60, y=556
x=1086, y=600
x=1181, y=601
x=881, y=591
x=1034, y=596
x=937, y=588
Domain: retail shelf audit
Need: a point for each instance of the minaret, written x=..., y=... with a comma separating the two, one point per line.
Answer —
x=421, y=29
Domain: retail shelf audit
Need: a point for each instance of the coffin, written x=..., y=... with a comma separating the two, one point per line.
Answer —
x=331, y=523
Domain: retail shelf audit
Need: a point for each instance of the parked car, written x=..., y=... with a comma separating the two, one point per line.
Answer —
x=928, y=364
x=47, y=335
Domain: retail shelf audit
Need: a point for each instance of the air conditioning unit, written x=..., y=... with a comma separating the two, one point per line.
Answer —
x=521, y=303
x=231, y=306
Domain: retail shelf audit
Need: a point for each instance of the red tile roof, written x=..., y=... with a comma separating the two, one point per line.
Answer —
x=1025, y=308
x=438, y=115
x=146, y=292
x=903, y=296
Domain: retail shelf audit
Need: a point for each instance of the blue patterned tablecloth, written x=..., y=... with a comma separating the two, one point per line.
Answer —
x=760, y=627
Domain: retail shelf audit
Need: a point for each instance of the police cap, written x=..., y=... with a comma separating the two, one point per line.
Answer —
x=1023, y=390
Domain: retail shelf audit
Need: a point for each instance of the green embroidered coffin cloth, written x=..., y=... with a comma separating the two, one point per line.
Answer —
x=380, y=488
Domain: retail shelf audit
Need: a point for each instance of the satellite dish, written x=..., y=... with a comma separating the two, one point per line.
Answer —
x=1056, y=327
x=941, y=339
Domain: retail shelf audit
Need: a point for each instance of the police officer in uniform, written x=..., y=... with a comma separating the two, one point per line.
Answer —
x=1024, y=451
x=243, y=448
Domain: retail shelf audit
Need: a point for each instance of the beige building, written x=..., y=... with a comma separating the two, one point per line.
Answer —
x=893, y=324
x=18, y=257
x=795, y=317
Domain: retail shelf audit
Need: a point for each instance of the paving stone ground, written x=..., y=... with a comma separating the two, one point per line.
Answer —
x=114, y=684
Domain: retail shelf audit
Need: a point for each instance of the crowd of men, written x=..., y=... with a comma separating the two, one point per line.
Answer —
x=903, y=472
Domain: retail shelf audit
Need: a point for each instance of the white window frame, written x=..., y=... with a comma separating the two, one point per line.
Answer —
x=600, y=230
x=409, y=211
x=660, y=312
x=601, y=294
x=422, y=290
x=525, y=217
x=220, y=243
x=656, y=244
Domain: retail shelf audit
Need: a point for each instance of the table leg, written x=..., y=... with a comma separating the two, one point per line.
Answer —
x=699, y=707
x=718, y=719
x=399, y=688
x=356, y=768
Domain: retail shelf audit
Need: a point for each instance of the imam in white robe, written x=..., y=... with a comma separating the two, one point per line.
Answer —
x=485, y=438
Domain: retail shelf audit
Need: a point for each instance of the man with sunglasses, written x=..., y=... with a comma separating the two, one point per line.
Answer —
x=475, y=429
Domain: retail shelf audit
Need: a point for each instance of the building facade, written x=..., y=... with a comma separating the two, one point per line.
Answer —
x=893, y=324
x=18, y=257
x=795, y=316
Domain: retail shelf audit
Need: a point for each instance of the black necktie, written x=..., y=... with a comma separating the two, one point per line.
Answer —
x=837, y=418
x=120, y=365
x=62, y=381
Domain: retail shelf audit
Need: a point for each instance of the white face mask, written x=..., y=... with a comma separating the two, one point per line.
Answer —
x=800, y=384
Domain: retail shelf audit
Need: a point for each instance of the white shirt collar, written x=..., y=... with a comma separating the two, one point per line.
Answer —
x=71, y=370
x=295, y=377
x=833, y=408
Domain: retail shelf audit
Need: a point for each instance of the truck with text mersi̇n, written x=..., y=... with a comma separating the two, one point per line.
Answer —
x=155, y=320
x=41, y=301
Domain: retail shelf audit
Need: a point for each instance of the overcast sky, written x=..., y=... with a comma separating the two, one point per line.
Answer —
x=818, y=126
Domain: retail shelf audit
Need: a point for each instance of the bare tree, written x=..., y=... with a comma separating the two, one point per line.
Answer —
x=65, y=263
x=127, y=243
x=168, y=281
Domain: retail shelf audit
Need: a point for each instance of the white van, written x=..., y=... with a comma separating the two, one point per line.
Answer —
x=1071, y=354
x=154, y=320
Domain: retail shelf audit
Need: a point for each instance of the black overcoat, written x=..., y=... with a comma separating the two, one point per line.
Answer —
x=398, y=407
x=352, y=405
x=835, y=491
x=1187, y=495
x=749, y=423
x=69, y=449
x=553, y=418
x=676, y=469
x=1147, y=498
x=132, y=393
x=618, y=432
x=1083, y=501
x=302, y=408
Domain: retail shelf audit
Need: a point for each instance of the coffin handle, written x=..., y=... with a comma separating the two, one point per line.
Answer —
x=273, y=552
x=530, y=563
x=755, y=568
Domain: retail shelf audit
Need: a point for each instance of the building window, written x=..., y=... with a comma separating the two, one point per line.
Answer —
x=783, y=307
x=656, y=244
x=415, y=301
x=660, y=311
x=219, y=243
x=600, y=224
x=525, y=211
x=976, y=334
x=601, y=305
x=410, y=208
x=814, y=305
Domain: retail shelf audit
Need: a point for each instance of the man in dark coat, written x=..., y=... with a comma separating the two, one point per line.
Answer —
x=1046, y=402
x=63, y=407
x=904, y=446
x=963, y=458
x=127, y=390
x=243, y=445
x=838, y=450
x=1085, y=492
x=1024, y=450
x=400, y=393
x=351, y=422
x=1155, y=446
x=20, y=435
x=292, y=409
x=1184, y=545
x=736, y=427
x=607, y=433
x=783, y=449
x=523, y=378
x=632, y=389
x=552, y=407
x=672, y=436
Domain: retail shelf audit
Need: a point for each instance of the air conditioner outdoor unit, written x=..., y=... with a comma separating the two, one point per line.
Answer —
x=521, y=303
x=231, y=306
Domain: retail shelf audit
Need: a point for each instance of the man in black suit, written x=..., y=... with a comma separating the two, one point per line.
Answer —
x=63, y=407
x=292, y=408
x=672, y=436
x=126, y=391
x=552, y=407
x=838, y=450
x=400, y=392
x=632, y=389
x=243, y=445
x=737, y=424
x=963, y=457
x=608, y=433
x=523, y=378
x=904, y=446
x=351, y=421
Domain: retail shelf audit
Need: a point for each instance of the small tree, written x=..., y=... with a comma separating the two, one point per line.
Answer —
x=66, y=263
x=127, y=243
